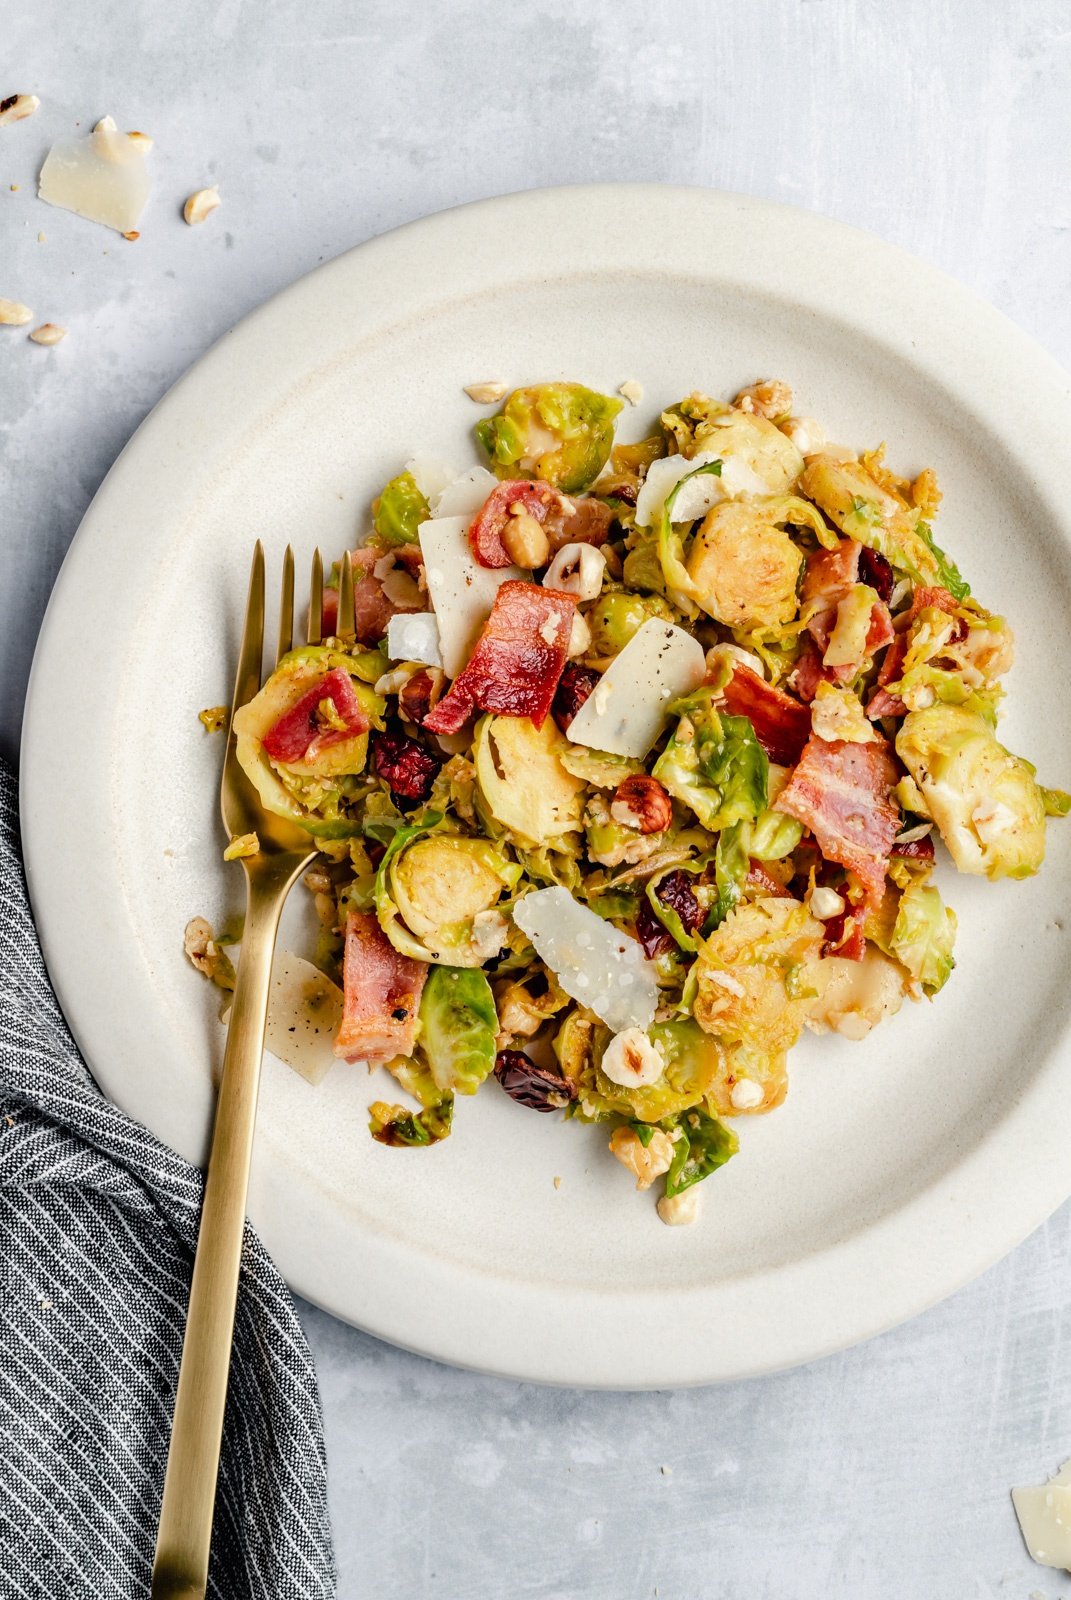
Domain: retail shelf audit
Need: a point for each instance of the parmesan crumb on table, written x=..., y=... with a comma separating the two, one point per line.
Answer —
x=48, y=333
x=632, y=391
x=557, y=1183
x=201, y=205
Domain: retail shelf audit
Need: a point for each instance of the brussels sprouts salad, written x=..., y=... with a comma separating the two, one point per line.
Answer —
x=637, y=769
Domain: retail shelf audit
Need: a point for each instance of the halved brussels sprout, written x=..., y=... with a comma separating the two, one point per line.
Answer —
x=754, y=974
x=984, y=800
x=436, y=893
x=616, y=617
x=314, y=794
x=744, y=568
x=766, y=1076
x=692, y=1062
x=458, y=1024
x=399, y=511
x=522, y=781
x=598, y=767
x=559, y=432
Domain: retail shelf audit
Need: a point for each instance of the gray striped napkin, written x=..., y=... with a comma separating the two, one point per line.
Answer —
x=97, y=1227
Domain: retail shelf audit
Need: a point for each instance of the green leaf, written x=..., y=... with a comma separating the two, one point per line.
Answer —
x=923, y=936
x=395, y=1125
x=458, y=1024
x=670, y=544
x=400, y=510
x=714, y=764
x=731, y=863
x=703, y=1145
x=948, y=574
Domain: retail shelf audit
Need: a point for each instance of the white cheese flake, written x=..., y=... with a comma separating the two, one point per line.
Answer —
x=694, y=499
x=414, y=636
x=430, y=476
x=627, y=709
x=461, y=591
x=103, y=177
x=304, y=1015
x=1044, y=1516
x=592, y=961
x=465, y=495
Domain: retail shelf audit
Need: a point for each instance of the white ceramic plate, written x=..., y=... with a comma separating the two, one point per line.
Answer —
x=898, y=1168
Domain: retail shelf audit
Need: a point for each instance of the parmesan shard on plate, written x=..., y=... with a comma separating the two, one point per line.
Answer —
x=599, y=966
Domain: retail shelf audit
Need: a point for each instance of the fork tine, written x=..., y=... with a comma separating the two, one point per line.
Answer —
x=251, y=653
x=286, y=606
x=345, y=627
x=316, y=599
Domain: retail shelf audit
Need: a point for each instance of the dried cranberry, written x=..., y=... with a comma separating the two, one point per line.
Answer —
x=407, y=766
x=654, y=939
x=574, y=686
x=676, y=894
x=876, y=571
x=915, y=849
x=532, y=1086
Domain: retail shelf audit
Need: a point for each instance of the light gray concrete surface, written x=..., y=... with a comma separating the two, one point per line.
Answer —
x=880, y=1473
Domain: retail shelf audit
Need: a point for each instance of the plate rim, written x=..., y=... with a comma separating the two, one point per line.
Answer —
x=944, y=308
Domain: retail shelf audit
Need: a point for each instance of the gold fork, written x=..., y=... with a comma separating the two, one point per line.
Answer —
x=180, y=1570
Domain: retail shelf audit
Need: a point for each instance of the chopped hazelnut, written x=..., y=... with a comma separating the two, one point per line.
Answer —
x=200, y=205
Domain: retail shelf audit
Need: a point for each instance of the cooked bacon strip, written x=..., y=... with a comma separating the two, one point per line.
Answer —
x=841, y=792
x=808, y=672
x=302, y=732
x=372, y=606
x=844, y=935
x=883, y=703
x=759, y=877
x=782, y=726
x=829, y=578
x=381, y=991
x=916, y=849
x=565, y=521
x=518, y=659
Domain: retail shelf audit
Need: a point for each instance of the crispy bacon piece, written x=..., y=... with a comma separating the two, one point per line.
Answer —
x=303, y=732
x=564, y=520
x=841, y=792
x=830, y=575
x=382, y=992
x=373, y=607
x=518, y=659
x=782, y=726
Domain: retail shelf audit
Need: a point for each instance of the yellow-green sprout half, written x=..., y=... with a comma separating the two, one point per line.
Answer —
x=560, y=432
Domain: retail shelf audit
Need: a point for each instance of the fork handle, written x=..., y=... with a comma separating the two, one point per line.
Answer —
x=180, y=1569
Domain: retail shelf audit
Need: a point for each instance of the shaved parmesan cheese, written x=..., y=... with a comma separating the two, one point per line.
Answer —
x=430, y=476
x=1045, y=1519
x=465, y=495
x=462, y=592
x=304, y=1015
x=103, y=177
x=694, y=499
x=414, y=636
x=604, y=969
x=627, y=710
